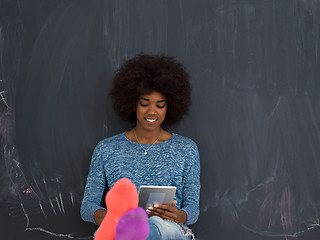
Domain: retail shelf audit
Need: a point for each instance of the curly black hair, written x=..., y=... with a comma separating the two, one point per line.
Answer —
x=146, y=73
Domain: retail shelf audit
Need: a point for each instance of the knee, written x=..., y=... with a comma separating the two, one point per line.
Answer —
x=156, y=221
x=156, y=227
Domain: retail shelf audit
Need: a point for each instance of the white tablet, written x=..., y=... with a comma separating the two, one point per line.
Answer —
x=149, y=195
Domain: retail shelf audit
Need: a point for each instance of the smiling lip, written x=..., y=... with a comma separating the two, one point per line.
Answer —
x=150, y=120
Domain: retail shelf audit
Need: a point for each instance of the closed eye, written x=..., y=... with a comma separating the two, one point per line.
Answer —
x=143, y=105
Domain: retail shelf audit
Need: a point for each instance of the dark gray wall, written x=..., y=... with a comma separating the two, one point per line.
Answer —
x=255, y=71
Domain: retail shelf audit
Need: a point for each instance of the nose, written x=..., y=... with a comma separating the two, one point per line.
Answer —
x=152, y=110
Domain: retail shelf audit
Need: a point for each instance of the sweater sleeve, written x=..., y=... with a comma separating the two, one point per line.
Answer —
x=95, y=186
x=191, y=186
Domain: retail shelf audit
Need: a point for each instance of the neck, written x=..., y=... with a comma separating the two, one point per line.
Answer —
x=147, y=137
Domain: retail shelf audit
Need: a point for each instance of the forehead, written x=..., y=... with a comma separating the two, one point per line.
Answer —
x=153, y=96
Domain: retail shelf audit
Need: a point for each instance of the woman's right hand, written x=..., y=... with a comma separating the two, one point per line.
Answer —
x=99, y=215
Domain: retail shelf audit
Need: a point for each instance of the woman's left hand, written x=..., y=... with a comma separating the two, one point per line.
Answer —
x=166, y=211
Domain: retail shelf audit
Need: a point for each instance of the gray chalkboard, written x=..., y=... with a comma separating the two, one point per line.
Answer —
x=255, y=73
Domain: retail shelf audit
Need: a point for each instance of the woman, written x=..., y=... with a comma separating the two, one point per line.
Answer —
x=151, y=91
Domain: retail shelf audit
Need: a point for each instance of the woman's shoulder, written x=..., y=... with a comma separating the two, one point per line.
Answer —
x=186, y=147
x=114, y=140
x=184, y=141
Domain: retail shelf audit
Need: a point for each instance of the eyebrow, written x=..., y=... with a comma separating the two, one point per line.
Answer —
x=147, y=99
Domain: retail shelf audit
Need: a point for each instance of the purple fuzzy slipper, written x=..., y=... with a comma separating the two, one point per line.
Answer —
x=133, y=225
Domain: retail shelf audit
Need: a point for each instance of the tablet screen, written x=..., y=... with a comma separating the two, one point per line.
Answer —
x=148, y=195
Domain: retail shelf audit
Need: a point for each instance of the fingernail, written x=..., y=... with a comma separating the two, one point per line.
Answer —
x=150, y=208
x=156, y=205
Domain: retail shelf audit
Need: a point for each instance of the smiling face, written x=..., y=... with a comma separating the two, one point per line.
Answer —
x=151, y=111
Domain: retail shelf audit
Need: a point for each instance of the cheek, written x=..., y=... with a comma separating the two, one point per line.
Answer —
x=139, y=110
x=164, y=113
x=139, y=114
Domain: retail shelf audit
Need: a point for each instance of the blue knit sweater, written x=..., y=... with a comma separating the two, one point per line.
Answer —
x=174, y=162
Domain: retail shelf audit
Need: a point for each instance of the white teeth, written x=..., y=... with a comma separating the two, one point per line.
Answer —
x=151, y=120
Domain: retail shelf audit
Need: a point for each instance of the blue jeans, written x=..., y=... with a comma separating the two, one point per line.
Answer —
x=167, y=230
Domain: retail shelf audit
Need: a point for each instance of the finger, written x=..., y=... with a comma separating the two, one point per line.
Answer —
x=172, y=210
x=163, y=212
x=163, y=206
x=154, y=213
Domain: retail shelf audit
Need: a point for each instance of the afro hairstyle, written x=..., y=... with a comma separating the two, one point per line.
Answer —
x=146, y=73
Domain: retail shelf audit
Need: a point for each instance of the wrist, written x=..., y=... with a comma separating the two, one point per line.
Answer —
x=182, y=217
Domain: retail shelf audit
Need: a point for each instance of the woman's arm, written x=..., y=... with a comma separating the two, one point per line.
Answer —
x=94, y=189
x=191, y=186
